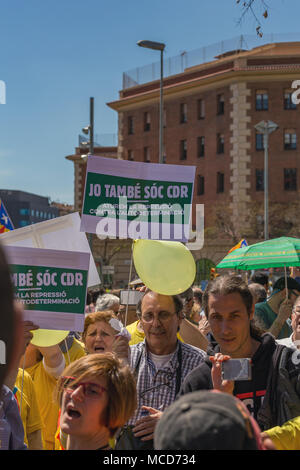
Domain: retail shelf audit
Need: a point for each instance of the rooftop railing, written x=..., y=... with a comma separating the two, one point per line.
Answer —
x=186, y=59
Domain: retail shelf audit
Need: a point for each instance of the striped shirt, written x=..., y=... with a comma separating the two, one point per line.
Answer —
x=157, y=387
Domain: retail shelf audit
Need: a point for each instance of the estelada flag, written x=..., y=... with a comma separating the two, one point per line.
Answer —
x=240, y=244
x=5, y=222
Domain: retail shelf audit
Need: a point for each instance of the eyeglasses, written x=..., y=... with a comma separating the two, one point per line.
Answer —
x=90, y=389
x=162, y=317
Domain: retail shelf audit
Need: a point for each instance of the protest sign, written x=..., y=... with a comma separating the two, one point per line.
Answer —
x=51, y=284
x=125, y=199
x=61, y=233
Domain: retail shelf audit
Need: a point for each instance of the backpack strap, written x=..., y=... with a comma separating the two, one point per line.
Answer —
x=273, y=375
x=267, y=411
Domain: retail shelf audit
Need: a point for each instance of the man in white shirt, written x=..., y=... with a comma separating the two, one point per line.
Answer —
x=160, y=362
x=293, y=341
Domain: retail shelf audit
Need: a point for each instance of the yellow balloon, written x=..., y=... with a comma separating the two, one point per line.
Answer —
x=165, y=267
x=45, y=338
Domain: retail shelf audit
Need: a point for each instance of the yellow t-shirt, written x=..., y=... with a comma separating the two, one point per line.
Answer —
x=44, y=384
x=138, y=336
x=28, y=404
x=287, y=436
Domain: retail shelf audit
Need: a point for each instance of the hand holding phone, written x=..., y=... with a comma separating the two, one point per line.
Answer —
x=218, y=381
x=236, y=369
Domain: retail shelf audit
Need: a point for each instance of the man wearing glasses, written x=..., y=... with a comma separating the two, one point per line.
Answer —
x=293, y=341
x=274, y=314
x=160, y=362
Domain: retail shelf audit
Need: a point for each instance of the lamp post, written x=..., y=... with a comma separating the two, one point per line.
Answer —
x=90, y=130
x=158, y=46
x=266, y=128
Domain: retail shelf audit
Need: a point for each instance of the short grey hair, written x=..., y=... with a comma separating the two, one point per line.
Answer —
x=106, y=302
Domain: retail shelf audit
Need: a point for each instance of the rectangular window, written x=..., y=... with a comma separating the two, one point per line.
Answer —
x=220, y=182
x=220, y=143
x=220, y=104
x=287, y=100
x=290, y=139
x=130, y=155
x=261, y=100
x=259, y=142
x=259, y=180
x=183, y=149
x=130, y=125
x=23, y=223
x=200, y=146
x=290, y=179
x=147, y=122
x=201, y=109
x=147, y=154
x=183, y=113
x=24, y=211
x=200, y=185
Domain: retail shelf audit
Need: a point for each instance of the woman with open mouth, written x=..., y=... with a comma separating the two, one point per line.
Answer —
x=102, y=333
x=97, y=395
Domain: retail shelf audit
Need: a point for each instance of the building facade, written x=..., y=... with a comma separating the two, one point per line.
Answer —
x=79, y=159
x=26, y=208
x=210, y=111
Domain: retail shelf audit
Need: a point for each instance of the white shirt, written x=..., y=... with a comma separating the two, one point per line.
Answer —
x=161, y=361
x=288, y=342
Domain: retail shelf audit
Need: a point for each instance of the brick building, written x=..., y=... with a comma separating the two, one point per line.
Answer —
x=79, y=159
x=210, y=111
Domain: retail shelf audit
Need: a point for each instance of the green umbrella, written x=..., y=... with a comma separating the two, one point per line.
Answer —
x=278, y=252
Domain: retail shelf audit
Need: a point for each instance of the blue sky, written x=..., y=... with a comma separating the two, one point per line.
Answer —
x=55, y=54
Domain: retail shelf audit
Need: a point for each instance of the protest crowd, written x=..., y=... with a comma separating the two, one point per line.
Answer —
x=152, y=376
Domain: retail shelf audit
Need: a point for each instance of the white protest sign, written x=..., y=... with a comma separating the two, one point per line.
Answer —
x=51, y=284
x=126, y=199
x=61, y=233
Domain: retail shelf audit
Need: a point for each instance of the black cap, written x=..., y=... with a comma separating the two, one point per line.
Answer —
x=207, y=420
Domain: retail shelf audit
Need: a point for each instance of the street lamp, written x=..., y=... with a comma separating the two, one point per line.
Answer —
x=266, y=128
x=89, y=130
x=158, y=46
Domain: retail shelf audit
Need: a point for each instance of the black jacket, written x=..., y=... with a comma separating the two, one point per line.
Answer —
x=251, y=392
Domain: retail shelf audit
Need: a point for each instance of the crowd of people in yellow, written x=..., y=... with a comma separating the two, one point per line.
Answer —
x=138, y=387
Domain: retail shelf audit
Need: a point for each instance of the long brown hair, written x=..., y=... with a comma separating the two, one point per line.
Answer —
x=230, y=284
